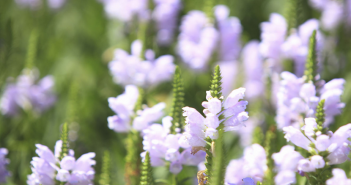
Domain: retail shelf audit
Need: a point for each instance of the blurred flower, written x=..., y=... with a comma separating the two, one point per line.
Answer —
x=28, y=94
x=229, y=30
x=3, y=163
x=296, y=98
x=332, y=12
x=34, y=4
x=273, y=36
x=165, y=14
x=286, y=162
x=229, y=33
x=126, y=10
x=163, y=146
x=197, y=40
x=148, y=115
x=252, y=164
x=47, y=167
x=339, y=177
x=296, y=45
x=131, y=69
x=123, y=105
x=254, y=76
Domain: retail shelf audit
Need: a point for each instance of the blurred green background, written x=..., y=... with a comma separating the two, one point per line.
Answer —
x=74, y=45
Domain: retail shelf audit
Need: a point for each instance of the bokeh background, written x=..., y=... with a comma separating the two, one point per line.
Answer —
x=75, y=44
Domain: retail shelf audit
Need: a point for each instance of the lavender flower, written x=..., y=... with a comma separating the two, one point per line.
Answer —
x=286, y=162
x=252, y=164
x=124, y=104
x=339, y=177
x=28, y=94
x=253, y=63
x=273, y=36
x=126, y=10
x=34, y=4
x=332, y=12
x=337, y=144
x=229, y=29
x=229, y=33
x=47, y=167
x=198, y=127
x=3, y=163
x=296, y=45
x=296, y=98
x=197, y=40
x=165, y=14
x=148, y=115
x=131, y=69
x=163, y=146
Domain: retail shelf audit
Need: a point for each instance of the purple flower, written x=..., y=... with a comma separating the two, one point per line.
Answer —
x=148, y=115
x=252, y=164
x=229, y=33
x=339, y=177
x=332, y=12
x=34, y=4
x=3, y=163
x=198, y=128
x=253, y=63
x=47, y=167
x=286, y=162
x=165, y=14
x=28, y=94
x=197, y=40
x=296, y=45
x=163, y=146
x=126, y=10
x=123, y=106
x=296, y=98
x=131, y=69
x=337, y=144
x=273, y=36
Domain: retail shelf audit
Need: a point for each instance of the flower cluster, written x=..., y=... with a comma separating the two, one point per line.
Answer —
x=132, y=69
x=297, y=99
x=53, y=4
x=47, y=167
x=325, y=148
x=3, y=163
x=286, y=162
x=165, y=14
x=124, y=105
x=197, y=40
x=126, y=10
x=332, y=12
x=164, y=146
x=276, y=47
x=198, y=127
x=252, y=164
x=28, y=94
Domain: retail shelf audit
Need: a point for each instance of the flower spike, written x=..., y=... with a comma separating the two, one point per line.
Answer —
x=311, y=63
x=105, y=174
x=146, y=171
x=178, y=102
x=64, y=139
